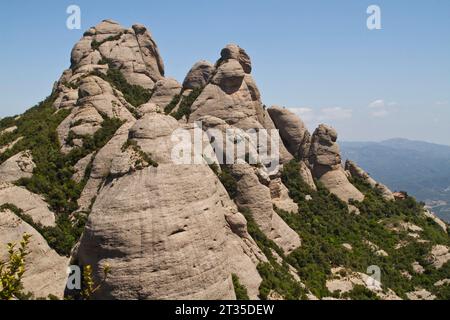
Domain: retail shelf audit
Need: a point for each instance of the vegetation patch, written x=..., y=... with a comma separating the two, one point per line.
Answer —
x=95, y=45
x=52, y=177
x=324, y=224
x=134, y=94
x=172, y=105
x=145, y=158
x=186, y=103
x=239, y=289
x=62, y=237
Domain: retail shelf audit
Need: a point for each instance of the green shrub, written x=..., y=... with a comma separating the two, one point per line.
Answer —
x=228, y=181
x=169, y=108
x=239, y=289
x=134, y=94
x=325, y=223
x=62, y=237
x=143, y=155
x=95, y=45
x=12, y=270
x=186, y=103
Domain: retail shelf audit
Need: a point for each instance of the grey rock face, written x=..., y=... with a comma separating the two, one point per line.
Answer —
x=164, y=92
x=199, y=75
x=132, y=51
x=234, y=52
x=182, y=236
x=96, y=99
x=357, y=172
x=256, y=197
x=325, y=159
x=293, y=131
x=45, y=270
x=19, y=166
x=31, y=204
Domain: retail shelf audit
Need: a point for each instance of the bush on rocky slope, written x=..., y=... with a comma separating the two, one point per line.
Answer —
x=325, y=225
x=134, y=94
x=52, y=177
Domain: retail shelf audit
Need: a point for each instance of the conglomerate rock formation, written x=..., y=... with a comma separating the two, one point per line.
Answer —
x=169, y=230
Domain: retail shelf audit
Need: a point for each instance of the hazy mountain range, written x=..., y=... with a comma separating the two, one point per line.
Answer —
x=421, y=168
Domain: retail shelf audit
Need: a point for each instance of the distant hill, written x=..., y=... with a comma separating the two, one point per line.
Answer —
x=421, y=168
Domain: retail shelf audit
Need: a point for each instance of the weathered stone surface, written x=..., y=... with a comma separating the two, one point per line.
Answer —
x=229, y=76
x=344, y=280
x=19, y=166
x=132, y=51
x=324, y=149
x=182, y=236
x=439, y=256
x=45, y=270
x=421, y=294
x=148, y=108
x=254, y=196
x=80, y=168
x=325, y=159
x=337, y=183
x=306, y=175
x=96, y=99
x=417, y=268
x=165, y=90
x=31, y=204
x=268, y=124
x=438, y=221
x=67, y=98
x=199, y=75
x=357, y=172
x=280, y=196
x=293, y=131
x=231, y=96
x=101, y=166
x=234, y=52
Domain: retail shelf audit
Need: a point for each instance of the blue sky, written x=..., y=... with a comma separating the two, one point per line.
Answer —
x=316, y=57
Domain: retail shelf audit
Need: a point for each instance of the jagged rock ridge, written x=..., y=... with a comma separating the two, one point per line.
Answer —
x=173, y=231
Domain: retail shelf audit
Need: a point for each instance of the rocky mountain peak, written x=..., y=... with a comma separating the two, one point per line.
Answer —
x=91, y=173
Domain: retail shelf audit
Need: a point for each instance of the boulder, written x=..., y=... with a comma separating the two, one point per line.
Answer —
x=280, y=196
x=45, y=271
x=234, y=52
x=132, y=51
x=199, y=75
x=255, y=197
x=80, y=168
x=439, y=256
x=325, y=160
x=31, y=204
x=293, y=131
x=19, y=166
x=306, y=175
x=182, y=237
x=164, y=91
x=97, y=99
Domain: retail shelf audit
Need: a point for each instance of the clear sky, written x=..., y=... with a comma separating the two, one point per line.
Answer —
x=316, y=57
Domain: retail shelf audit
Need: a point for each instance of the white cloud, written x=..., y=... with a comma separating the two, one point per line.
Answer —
x=377, y=104
x=441, y=103
x=313, y=117
x=379, y=108
x=336, y=113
